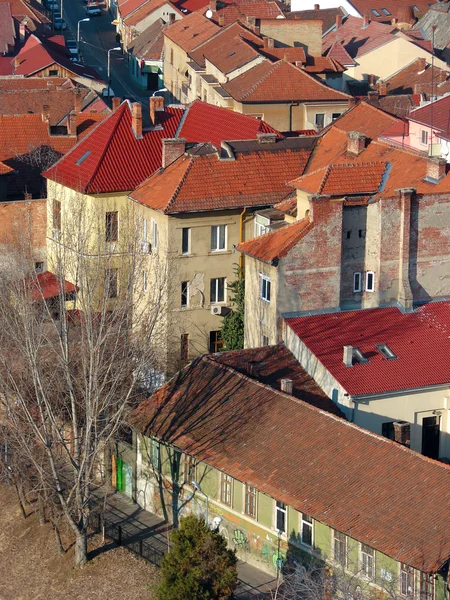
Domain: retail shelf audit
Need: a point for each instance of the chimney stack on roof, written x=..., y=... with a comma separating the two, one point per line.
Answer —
x=382, y=89
x=115, y=103
x=77, y=100
x=172, y=148
x=266, y=138
x=46, y=113
x=422, y=64
x=356, y=142
x=436, y=169
x=366, y=21
x=213, y=5
x=251, y=21
x=269, y=42
x=352, y=102
x=338, y=21
x=373, y=95
x=156, y=106
x=71, y=124
x=442, y=76
x=16, y=62
x=348, y=356
x=316, y=6
x=136, y=119
x=371, y=79
x=287, y=385
x=221, y=20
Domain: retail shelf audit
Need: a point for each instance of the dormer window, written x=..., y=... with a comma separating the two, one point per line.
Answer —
x=385, y=351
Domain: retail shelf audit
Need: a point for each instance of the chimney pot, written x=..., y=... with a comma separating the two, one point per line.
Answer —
x=156, y=106
x=316, y=6
x=266, y=138
x=221, y=20
x=115, y=103
x=366, y=21
x=213, y=5
x=136, y=119
x=422, y=64
x=436, y=169
x=287, y=385
x=46, y=113
x=356, y=142
x=71, y=124
x=348, y=356
x=172, y=148
x=338, y=21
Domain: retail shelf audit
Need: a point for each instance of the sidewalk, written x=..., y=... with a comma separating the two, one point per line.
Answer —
x=140, y=524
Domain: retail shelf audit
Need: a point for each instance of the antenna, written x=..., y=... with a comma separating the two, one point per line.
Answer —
x=209, y=13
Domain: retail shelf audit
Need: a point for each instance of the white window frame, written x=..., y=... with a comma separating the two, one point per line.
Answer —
x=218, y=248
x=262, y=225
x=264, y=288
x=188, y=251
x=155, y=234
x=335, y=116
x=367, y=558
x=372, y=287
x=216, y=294
x=324, y=120
x=250, y=487
x=357, y=282
x=279, y=509
x=424, y=134
x=226, y=483
x=144, y=230
x=406, y=574
x=309, y=525
x=336, y=535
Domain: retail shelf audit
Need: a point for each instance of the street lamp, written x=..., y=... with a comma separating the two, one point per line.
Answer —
x=161, y=90
x=118, y=48
x=78, y=28
x=199, y=489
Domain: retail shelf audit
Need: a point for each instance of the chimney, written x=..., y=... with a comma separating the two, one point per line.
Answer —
x=171, y=18
x=348, y=356
x=221, y=20
x=338, y=21
x=257, y=30
x=373, y=95
x=356, y=142
x=156, y=106
x=402, y=432
x=316, y=6
x=266, y=138
x=46, y=113
x=270, y=43
x=50, y=84
x=287, y=385
x=382, y=89
x=366, y=21
x=16, y=62
x=136, y=119
x=115, y=103
x=436, y=169
x=421, y=64
x=213, y=5
x=71, y=124
x=352, y=102
x=442, y=76
x=172, y=148
x=77, y=100
x=251, y=22
x=405, y=296
x=371, y=79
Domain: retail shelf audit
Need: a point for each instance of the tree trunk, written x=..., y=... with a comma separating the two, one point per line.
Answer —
x=81, y=548
x=21, y=500
x=41, y=511
x=58, y=538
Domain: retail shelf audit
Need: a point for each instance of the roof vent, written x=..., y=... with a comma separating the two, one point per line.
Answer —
x=386, y=351
x=287, y=385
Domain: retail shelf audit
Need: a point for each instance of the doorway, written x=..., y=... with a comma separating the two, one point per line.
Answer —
x=430, y=436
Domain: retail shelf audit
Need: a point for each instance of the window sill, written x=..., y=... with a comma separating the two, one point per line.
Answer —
x=214, y=252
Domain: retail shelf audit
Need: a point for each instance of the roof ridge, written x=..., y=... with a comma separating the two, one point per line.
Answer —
x=255, y=86
x=329, y=168
x=180, y=184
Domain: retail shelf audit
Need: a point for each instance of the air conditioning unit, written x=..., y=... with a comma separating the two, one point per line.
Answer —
x=216, y=310
x=146, y=247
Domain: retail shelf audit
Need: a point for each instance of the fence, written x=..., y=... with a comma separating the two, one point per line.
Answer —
x=116, y=533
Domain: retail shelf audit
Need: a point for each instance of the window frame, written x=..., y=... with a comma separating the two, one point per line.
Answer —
x=184, y=294
x=188, y=231
x=112, y=226
x=426, y=581
x=368, y=558
x=424, y=134
x=265, y=285
x=250, y=501
x=217, y=289
x=407, y=574
x=371, y=288
x=306, y=524
x=154, y=460
x=226, y=489
x=261, y=227
x=281, y=510
x=184, y=347
x=217, y=229
x=340, y=556
x=189, y=469
x=316, y=124
x=155, y=234
x=112, y=292
x=357, y=289
x=335, y=116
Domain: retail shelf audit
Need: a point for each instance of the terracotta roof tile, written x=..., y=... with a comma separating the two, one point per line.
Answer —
x=134, y=18
x=326, y=15
x=365, y=118
x=7, y=29
x=29, y=13
x=292, y=55
x=240, y=10
x=47, y=285
x=436, y=113
x=343, y=179
x=239, y=426
x=280, y=82
x=191, y=31
x=276, y=244
x=323, y=64
x=392, y=6
x=339, y=53
x=4, y=169
x=356, y=39
x=417, y=78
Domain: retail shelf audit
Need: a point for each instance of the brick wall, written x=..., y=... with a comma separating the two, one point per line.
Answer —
x=23, y=227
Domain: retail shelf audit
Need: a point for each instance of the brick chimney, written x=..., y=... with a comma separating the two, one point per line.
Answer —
x=366, y=21
x=221, y=20
x=77, y=100
x=316, y=6
x=213, y=5
x=266, y=138
x=382, y=89
x=338, y=21
x=402, y=432
x=156, y=106
x=371, y=79
x=442, y=76
x=251, y=22
x=136, y=119
x=46, y=113
x=287, y=385
x=405, y=296
x=373, y=95
x=348, y=356
x=71, y=124
x=436, y=169
x=115, y=103
x=172, y=148
x=356, y=142
x=352, y=102
x=421, y=64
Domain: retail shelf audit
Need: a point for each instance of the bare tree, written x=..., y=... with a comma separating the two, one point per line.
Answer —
x=74, y=358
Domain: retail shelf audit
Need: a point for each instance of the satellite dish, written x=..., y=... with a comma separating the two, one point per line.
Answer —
x=209, y=13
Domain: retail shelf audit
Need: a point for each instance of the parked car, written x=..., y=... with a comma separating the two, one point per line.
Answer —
x=59, y=23
x=92, y=10
x=72, y=48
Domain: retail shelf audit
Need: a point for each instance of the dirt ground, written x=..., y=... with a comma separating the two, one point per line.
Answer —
x=32, y=569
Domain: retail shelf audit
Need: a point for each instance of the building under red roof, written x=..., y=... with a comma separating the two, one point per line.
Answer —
x=420, y=342
x=46, y=286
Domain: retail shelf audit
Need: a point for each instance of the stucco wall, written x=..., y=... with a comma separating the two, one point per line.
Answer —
x=260, y=316
x=305, y=34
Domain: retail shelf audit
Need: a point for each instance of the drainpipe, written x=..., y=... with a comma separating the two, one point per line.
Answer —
x=242, y=222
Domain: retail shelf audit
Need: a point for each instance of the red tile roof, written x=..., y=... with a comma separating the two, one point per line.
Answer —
x=128, y=6
x=47, y=285
x=134, y=18
x=207, y=123
x=6, y=67
x=204, y=182
x=292, y=55
x=394, y=7
x=191, y=6
x=191, y=31
x=366, y=486
x=436, y=113
x=343, y=179
x=240, y=10
x=323, y=64
x=280, y=82
x=338, y=53
x=7, y=29
x=4, y=169
x=326, y=15
x=420, y=340
x=358, y=40
x=114, y=160
x=274, y=245
x=365, y=118
x=29, y=13
x=414, y=78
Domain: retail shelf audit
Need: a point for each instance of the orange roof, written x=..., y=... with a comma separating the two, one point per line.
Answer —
x=292, y=55
x=367, y=119
x=339, y=53
x=323, y=64
x=240, y=10
x=274, y=245
x=4, y=169
x=280, y=82
x=135, y=17
x=342, y=179
x=189, y=32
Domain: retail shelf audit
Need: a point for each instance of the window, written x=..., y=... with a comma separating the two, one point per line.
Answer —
x=39, y=267
x=424, y=137
x=426, y=586
x=144, y=281
x=56, y=219
x=155, y=234
x=226, y=483
x=153, y=455
x=357, y=282
x=215, y=341
x=335, y=116
x=319, y=120
x=184, y=349
x=189, y=469
x=385, y=12
x=362, y=233
x=184, y=294
x=111, y=283
x=349, y=234
x=53, y=73
x=261, y=225
x=370, y=281
x=368, y=561
x=265, y=340
x=112, y=226
x=264, y=288
x=250, y=501
x=385, y=351
x=144, y=230
x=218, y=237
x=375, y=12
x=307, y=530
x=340, y=548
x=387, y=430
x=217, y=290
x=280, y=513
x=186, y=240
x=406, y=581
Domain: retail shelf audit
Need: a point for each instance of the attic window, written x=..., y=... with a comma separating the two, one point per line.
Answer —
x=83, y=158
x=359, y=357
x=386, y=351
x=385, y=12
x=375, y=12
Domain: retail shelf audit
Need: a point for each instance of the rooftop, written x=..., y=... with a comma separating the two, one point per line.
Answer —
x=386, y=10
x=29, y=13
x=247, y=429
x=7, y=29
x=326, y=15
x=435, y=25
x=357, y=39
x=436, y=113
x=239, y=10
x=191, y=31
x=418, y=77
x=147, y=8
x=420, y=340
x=150, y=43
x=47, y=285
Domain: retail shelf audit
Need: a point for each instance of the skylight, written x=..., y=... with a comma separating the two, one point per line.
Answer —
x=385, y=351
x=375, y=12
x=359, y=357
x=386, y=12
x=83, y=158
